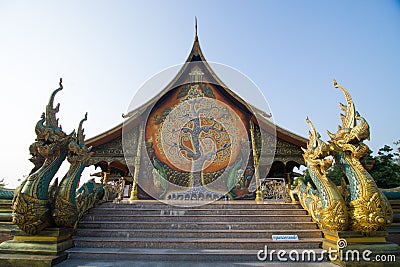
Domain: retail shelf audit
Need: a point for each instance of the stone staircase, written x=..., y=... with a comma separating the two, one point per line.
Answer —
x=394, y=229
x=6, y=226
x=219, y=231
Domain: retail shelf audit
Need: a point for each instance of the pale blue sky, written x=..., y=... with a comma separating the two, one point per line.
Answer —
x=105, y=50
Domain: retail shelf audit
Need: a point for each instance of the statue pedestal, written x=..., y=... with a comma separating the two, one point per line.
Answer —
x=349, y=248
x=44, y=249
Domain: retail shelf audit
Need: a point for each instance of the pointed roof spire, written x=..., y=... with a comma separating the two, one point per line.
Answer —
x=195, y=54
x=195, y=26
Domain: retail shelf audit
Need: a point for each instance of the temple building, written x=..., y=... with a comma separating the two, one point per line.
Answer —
x=178, y=157
x=162, y=140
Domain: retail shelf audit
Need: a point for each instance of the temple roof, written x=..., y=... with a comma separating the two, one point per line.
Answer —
x=195, y=55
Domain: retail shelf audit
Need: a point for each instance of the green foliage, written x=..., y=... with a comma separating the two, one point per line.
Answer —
x=335, y=173
x=307, y=178
x=386, y=170
x=397, y=143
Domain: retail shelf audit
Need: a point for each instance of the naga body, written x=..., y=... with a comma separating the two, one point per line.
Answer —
x=369, y=208
x=36, y=205
x=88, y=194
x=65, y=211
x=366, y=209
x=31, y=204
x=325, y=203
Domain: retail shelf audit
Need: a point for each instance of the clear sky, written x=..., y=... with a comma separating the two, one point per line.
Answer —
x=105, y=50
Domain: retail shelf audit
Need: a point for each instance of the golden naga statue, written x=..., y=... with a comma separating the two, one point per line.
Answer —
x=369, y=208
x=36, y=204
x=31, y=203
x=366, y=209
x=325, y=204
x=65, y=211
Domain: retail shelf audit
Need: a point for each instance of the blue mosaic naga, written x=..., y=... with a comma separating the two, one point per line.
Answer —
x=368, y=207
x=325, y=203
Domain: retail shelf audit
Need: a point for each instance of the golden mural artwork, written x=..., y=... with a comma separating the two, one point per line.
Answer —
x=196, y=129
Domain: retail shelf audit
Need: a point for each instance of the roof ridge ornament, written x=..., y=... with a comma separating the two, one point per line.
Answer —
x=195, y=26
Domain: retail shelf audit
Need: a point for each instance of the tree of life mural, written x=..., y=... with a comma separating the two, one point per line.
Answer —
x=196, y=137
x=197, y=143
x=201, y=135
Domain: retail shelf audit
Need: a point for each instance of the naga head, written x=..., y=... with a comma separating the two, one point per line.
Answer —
x=316, y=148
x=354, y=129
x=77, y=151
x=49, y=135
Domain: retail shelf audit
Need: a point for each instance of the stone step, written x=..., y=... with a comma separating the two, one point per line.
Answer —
x=251, y=225
x=189, y=255
x=152, y=204
x=197, y=218
x=22, y=260
x=219, y=231
x=195, y=233
x=5, y=216
x=6, y=210
x=198, y=211
x=195, y=243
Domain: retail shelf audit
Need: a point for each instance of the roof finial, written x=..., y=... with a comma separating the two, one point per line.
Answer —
x=195, y=26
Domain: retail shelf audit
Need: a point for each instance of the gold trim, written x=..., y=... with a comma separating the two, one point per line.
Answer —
x=259, y=197
x=377, y=239
x=134, y=192
x=41, y=238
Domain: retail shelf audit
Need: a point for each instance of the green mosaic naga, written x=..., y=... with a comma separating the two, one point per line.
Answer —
x=6, y=193
x=325, y=203
x=369, y=208
x=31, y=204
x=65, y=211
x=90, y=193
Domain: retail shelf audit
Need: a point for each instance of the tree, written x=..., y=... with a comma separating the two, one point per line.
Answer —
x=335, y=173
x=386, y=170
x=193, y=133
x=398, y=149
x=200, y=133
